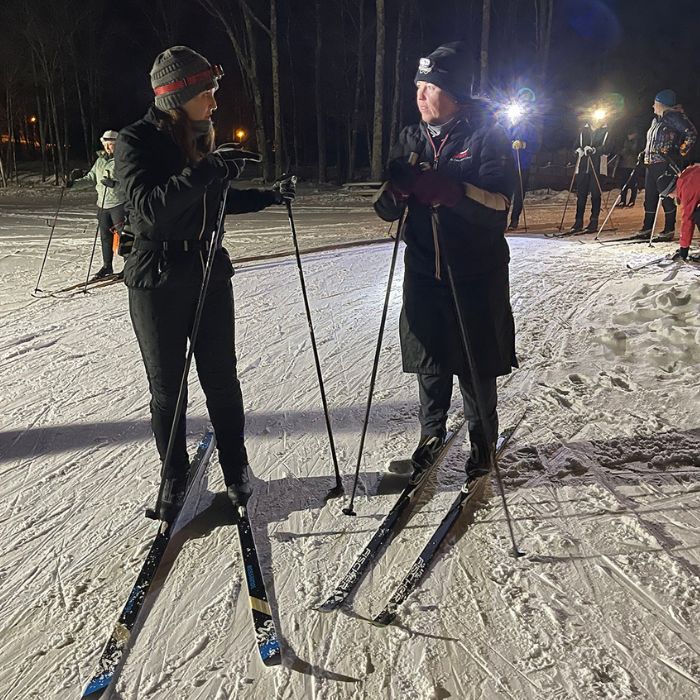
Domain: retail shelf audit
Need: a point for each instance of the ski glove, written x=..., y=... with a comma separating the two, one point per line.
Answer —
x=402, y=176
x=285, y=188
x=519, y=145
x=108, y=182
x=230, y=161
x=434, y=188
x=580, y=152
x=589, y=150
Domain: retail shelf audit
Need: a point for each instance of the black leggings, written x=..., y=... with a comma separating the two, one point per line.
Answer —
x=162, y=320
x=106, y=218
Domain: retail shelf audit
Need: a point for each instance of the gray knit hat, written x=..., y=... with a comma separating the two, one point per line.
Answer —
x=179, y=74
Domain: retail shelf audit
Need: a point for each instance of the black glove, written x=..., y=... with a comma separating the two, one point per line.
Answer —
x=286, y=188
x=683, y=252
x=108, y=182
x=402, y=175
x=231, y=160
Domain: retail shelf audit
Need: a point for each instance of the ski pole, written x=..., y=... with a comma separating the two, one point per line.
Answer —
x=348, y=510
x=478, y=398
x=656, y=218
x=522, y=189
x=338, y=482
x=617, y=201
x=568, y=196
x=214, y=244
x=94, y=243
x=53, y=226
x=600, y=192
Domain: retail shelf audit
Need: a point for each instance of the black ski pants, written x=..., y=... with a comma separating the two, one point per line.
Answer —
x=435, y=392
x=586, y=183
x=651, y=198
x=518, y=197
x=106, y=218
x=162, y=320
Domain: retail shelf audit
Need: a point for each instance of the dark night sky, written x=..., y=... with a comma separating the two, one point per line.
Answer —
x=630, y=47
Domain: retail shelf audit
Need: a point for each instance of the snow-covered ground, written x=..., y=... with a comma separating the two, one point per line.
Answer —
x=601, y=477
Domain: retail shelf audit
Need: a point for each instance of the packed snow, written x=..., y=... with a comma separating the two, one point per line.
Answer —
x=601, y=479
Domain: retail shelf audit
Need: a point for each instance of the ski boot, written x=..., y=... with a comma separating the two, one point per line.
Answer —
x=577, y=227
x=478, y=463
x=172, y=498
x=425, y=454
x=663, y=237
x=592, y=226
x=104, y=271
x=240, y=489
x=513, y=226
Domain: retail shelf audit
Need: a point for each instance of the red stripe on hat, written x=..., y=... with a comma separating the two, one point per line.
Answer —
x=180, y=84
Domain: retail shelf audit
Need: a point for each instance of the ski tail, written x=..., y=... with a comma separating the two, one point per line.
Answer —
x=266, y=636
x=115, y=649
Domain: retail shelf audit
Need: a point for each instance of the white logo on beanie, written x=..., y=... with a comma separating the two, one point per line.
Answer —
x=425, y=65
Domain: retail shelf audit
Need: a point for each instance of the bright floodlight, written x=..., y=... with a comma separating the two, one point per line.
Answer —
x=599, y=115
x=514, y=112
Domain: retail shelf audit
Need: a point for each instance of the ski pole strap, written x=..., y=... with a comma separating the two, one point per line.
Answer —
x=185, y=246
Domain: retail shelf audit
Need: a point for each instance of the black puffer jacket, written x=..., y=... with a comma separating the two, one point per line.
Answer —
x=169, y=200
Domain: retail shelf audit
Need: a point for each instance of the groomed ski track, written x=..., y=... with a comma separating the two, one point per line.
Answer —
x=602, y=480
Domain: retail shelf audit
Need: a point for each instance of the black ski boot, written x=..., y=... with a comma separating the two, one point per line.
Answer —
x=426, y=453
x=104, y=271
x=240, y=489
x=173, y=497
x=669, y=231
x=592, y=226
x=478, y=463
x=577, y=227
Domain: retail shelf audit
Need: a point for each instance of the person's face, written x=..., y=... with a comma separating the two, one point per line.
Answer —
x=108, y=146
x=201, y=106
x=434, y=104
x=659, y=109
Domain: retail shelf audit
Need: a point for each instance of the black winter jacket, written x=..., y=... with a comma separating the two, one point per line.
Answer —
x=169, y=200
x=481, y=157
x=667, y=134
x=596, y=138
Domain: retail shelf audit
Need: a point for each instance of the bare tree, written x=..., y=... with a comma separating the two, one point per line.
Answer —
x=320, y=116
x=377, y=150
x=484, y=53
x=355, y=114
x=544, y=9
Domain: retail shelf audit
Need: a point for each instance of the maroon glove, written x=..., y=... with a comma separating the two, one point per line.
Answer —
x=433, y=188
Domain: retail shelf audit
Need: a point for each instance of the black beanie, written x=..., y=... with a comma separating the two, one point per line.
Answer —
x=448, y=67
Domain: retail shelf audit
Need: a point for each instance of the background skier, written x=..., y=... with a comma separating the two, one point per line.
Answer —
x=110, y=199
x=670, y=137
x=591, y=151
x=525, y=141
x=173, y=180
x=630, y=162
x=465, y=174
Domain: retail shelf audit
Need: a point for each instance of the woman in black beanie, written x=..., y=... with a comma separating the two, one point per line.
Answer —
x=174, y=180
x=457, y=194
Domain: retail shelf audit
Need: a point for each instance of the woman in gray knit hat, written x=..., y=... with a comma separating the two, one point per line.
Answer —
x=173, y=180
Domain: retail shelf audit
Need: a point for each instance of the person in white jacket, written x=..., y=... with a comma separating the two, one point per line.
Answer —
x=110, y=200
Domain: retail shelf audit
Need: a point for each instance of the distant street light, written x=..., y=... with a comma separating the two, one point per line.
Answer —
x=240, y=135
x=32, y=120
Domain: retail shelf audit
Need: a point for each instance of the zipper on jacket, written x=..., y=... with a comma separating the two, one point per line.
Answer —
x=433, y=210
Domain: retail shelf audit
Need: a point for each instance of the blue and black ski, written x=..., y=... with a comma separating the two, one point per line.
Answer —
x=114, y=651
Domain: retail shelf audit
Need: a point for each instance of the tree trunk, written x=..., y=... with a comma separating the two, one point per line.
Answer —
x=544, y=10
x=484, y=54
x=320, y=119
x=292, y=73
x=377, y=151
x=276, y=102
x=355, y=119
x=394, y=130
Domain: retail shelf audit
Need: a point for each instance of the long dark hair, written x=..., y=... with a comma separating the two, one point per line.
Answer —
x=194, y=148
